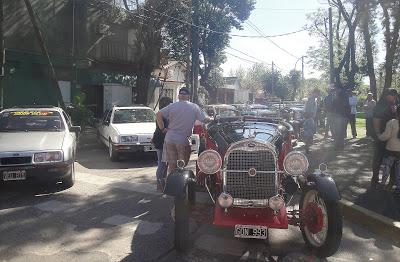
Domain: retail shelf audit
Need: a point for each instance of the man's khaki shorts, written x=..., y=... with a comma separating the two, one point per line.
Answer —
x=173, y=152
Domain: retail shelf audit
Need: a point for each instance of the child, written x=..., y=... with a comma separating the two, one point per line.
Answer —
x=392, y=153
x=309, y=131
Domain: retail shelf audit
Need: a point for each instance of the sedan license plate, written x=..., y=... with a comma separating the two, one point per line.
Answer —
x=14, y=175
x=149, y=148
x=244, y=231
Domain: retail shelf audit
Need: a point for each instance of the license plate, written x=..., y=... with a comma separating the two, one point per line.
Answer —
x=244, y=231
x=149, y=148
x=14, y=175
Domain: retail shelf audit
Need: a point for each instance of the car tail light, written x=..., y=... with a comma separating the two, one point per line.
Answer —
x=209, y=162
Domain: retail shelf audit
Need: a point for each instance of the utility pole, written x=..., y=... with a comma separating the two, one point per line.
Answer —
x=195, y=50
x=2, y=55
x=43, y=46
x=188, y=75
x=331, y=54
x=273, y=78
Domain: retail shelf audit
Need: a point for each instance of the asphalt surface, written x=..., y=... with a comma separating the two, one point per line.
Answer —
x=113, y=213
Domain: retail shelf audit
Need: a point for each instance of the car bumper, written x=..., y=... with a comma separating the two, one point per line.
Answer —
x=130, y=148
x=39, y=173
x=250, y=216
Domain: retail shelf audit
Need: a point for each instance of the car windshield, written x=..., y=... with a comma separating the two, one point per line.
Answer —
x=126, y=116
x=35, y=120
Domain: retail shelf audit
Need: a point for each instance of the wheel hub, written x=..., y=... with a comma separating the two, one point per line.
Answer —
x=313, y=218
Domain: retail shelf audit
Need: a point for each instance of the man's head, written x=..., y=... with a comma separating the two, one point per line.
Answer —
x=184, y=94
x=315, y=93
x=390, y=95
x=164, y=101
x=370, y=96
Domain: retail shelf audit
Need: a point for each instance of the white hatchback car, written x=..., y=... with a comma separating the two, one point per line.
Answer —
x=130, y=129
x=127, y=129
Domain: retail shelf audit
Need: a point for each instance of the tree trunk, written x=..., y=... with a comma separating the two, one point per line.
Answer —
x=142, y=86
x=369, y=52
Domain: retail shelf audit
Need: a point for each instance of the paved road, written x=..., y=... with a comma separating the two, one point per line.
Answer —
x=114, y=214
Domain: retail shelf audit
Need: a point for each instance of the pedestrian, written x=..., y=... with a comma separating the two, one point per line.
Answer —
x=181, y=117
x=158, y=141
x=369, y=106
x=384, y=111
x=311, y=105
x=328, y=106
x=309, y=129
x=341, y=112
x=353, y=100
x=391, y=157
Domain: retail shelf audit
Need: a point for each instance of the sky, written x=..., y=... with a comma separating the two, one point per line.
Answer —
x=274, y=17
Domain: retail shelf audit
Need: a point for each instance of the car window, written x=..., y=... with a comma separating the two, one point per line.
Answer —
x=123, y=116
x=35, y=120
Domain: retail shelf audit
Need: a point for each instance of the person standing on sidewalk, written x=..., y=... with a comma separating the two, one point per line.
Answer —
x=384, y=111
x=392, y=153
x=353, y=100
x=341, y=112
x=369, y=106
x=311, y=105
x=328, y=106
x=181, y=117
x=309, y=130
x=158, y=141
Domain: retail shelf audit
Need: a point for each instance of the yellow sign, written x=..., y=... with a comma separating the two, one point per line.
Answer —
x=31, y=113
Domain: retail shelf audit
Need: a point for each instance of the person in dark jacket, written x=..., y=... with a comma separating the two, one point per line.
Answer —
x=158, y=141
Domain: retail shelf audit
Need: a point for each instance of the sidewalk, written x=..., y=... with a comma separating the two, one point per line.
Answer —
x=351, y=170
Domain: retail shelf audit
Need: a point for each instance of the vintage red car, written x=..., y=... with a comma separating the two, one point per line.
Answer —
x=249, y=169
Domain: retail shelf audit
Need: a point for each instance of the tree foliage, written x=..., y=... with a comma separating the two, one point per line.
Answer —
x=216, y=20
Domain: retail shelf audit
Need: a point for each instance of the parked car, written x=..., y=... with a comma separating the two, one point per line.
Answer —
x=251, y=174
x=126, y=130
x=129, y=129
x=37, y=144
x=221, y=110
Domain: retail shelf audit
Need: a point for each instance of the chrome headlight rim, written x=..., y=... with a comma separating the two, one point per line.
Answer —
x=303, y=158
x=218, y=161
x=47, y=155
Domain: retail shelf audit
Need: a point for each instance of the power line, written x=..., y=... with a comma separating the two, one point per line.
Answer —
x=275, y=44
x=243, y=53
x=241, y=58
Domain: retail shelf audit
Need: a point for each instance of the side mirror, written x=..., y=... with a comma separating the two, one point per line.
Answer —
x=75, y=129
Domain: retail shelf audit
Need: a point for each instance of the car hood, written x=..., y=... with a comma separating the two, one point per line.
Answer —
x=135, y=128
x=31, y=141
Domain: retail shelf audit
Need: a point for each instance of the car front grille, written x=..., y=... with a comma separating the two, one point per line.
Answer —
x=11, y=161
x=240, y=184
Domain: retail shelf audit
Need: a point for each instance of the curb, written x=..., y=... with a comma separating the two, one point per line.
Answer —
x=374, y=222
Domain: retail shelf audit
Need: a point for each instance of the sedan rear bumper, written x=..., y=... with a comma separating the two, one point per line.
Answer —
x=131, y=148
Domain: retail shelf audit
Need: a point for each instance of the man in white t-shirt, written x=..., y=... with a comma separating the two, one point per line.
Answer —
x=353, y=100
x=181, y=117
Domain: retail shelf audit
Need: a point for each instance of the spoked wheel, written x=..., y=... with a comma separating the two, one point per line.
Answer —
x=321, y=223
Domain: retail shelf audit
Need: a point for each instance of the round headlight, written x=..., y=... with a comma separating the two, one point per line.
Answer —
x=276, y=203
x=295, y=163
x=225, y=200
x=209, y=162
